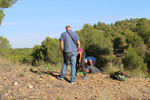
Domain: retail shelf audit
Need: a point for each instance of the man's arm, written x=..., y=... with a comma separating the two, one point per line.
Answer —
x=80, y=56
x=91, y=62
x=78, y=44
x=62, y=46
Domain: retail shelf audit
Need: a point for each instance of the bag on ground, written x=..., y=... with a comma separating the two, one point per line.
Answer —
x=121, y=76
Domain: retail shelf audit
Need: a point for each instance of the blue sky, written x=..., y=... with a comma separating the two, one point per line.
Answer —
x=28, y=22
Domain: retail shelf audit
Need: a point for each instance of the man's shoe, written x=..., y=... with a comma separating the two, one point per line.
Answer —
x=72, y=82
x=60, y=78
x=85, y=77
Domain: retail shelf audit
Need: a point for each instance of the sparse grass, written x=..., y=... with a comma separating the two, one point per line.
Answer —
x=17, y=96
x=58, y=98
x=148, y=75
x=4, y=60
x=3, y=90
x=110, y=68
x=21, y=74
x=133, y=73
x=50, y=67
x=137, y=73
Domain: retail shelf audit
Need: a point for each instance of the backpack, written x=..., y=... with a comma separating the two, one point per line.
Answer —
x=121, y=76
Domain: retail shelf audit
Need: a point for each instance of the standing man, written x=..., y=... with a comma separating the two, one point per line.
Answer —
x=68, y=47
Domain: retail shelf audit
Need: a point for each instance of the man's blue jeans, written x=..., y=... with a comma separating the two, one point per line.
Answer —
x=72, y=57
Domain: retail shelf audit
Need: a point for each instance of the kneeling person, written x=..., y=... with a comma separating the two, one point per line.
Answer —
x=92, y=69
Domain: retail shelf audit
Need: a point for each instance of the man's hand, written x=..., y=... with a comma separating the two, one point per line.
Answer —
x=62, y=46
x=79, y=60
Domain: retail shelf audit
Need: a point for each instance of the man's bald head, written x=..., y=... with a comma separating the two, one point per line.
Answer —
x=68, y=27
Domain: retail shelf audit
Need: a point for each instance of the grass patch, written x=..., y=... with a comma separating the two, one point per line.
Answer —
x=110, y=68
x=3, y=90
x=132, y=73
x=21, y=74
x=137, y=73
x=4, y=60
x=50, y=67
x=58, y=98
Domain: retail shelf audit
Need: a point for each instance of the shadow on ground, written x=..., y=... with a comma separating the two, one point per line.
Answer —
x=53, y=73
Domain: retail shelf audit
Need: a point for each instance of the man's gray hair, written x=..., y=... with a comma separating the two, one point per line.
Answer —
x=68, y=26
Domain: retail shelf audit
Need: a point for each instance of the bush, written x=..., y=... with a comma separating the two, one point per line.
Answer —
x=133, y=61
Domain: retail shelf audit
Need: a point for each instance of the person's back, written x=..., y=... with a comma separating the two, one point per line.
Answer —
x=90, y=60
x=69, y=45
x=68, y=42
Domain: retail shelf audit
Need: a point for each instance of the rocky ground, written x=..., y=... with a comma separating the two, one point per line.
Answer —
x=21, y=83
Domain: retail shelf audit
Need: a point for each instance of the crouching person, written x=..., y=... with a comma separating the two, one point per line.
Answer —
x=90, y=61
x=80, y=62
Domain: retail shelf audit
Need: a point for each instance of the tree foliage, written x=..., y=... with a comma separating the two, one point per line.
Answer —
x=4, y=46
x=1, y=16
x=4, y=43
x=51, y=50
x=132, y=60
x=18, y=54
x=143, y=29
x=48, y=53
x=5, y=4
x=95, y=44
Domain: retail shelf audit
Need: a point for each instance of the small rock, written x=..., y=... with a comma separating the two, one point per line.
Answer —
x=52, y=78
x=10, y=97
x=49, y=86
x=4, y=78
x=145, y=95
x=34, y=97
x=80, y=83
x=15, y=83
x=41, y=80
x=6, y=84
x=10, y=92
x=30, y=86
x=6, y=94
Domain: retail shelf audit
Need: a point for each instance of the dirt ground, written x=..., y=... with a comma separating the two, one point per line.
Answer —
x=21, y=83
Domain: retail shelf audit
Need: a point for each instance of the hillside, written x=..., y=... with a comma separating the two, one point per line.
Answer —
x=22, y=83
